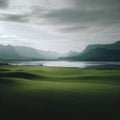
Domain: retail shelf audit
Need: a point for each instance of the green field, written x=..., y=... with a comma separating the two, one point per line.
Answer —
x=48, y=93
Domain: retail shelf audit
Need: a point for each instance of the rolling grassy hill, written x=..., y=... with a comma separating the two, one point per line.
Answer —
x=47, y=93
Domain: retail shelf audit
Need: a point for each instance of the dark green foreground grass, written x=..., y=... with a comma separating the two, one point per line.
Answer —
x=46, y=93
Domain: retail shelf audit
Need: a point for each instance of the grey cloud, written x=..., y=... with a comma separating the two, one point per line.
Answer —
x=82, y=15
x=76, y=17
x=95, y=3
x=85, y=13
x=15, y=17
x=4, y=3
x=37, y=11
x=74, y=28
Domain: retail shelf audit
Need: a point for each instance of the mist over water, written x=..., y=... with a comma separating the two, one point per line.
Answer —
x=76, y=64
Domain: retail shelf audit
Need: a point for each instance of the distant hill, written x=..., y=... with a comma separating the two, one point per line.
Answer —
x=98, y=52
x=25, y=53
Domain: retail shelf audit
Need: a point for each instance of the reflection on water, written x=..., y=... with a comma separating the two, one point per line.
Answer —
x=81, y=64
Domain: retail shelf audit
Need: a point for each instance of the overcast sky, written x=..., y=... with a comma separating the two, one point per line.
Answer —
x=59, y=25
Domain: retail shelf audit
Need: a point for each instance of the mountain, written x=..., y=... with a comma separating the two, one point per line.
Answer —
x=36, y=54
x=49, y=54
x=25, y=53
x=98, y=52
x=115, y=45
x=70, y=54
x=28, y=52
x=9, y=53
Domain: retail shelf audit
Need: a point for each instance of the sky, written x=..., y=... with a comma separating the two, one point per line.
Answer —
x=59, y=25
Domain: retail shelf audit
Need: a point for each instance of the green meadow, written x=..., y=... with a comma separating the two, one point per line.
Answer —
x=52, y=93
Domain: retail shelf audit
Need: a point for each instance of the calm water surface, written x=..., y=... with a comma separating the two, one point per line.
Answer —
x=69, y=64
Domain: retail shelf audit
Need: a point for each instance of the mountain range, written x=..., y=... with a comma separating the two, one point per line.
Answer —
x=25, y=53
x=95, y=52
x=98, y=52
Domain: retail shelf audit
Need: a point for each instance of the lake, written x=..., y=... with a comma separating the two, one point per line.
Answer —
x=76, y=64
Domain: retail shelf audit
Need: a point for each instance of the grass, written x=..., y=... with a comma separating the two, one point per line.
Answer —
x=50, y=93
